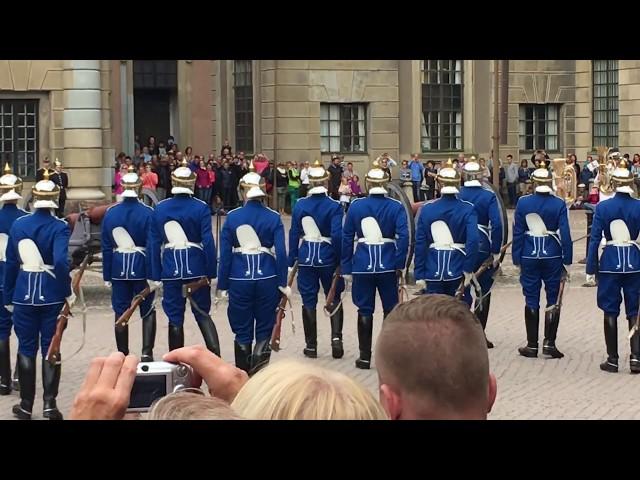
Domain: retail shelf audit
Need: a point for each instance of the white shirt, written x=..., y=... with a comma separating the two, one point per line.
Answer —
x=304, y=176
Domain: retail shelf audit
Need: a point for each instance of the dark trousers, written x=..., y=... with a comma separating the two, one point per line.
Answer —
x=511, y=188
x=417, y=193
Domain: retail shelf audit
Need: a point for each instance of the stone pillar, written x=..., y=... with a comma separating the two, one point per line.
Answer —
x=410, y=106
x=82, y=123
x=628, y=105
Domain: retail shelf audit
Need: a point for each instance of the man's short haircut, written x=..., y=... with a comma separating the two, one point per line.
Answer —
x=433, y=348
x=509, y=156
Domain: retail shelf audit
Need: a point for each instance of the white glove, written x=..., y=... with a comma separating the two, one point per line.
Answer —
x=467, y=279
x=71, y=300
x=348, y=280
x=421, y=284
x=286, y=291
x=591, y=278
x=156, y=284
x=9, y=308
x=107, y=284
x=289, y=270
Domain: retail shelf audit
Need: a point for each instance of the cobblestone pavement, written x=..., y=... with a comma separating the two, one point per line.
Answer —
x=569, y=388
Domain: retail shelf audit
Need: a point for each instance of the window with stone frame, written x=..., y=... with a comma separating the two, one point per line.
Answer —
x=441, y=119
x=19, y=132
x=343, y=127
x=155, y=74
x=243, y=102
x=539, y=127
x=605, y=103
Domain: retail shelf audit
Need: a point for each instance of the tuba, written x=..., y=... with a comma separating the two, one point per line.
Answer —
x=604, y=171
x=565, y=180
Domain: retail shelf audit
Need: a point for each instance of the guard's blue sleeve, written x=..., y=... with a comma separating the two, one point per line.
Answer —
x=518, y=235
x=348, y=232
x=208, y=244
x=294, y=236
x=226, y=255
x=402, y=240
x=281, y=253
x=471, y=243
x=11, y=267
x=565, y=236
x=495, y=217
x=155, y=253
x=594, y=243
x=336, y=232
x=61, y=258
x=422, y=247
x=107, y=249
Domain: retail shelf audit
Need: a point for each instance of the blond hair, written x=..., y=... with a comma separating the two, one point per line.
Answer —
x=188, y=405
x=293, y=390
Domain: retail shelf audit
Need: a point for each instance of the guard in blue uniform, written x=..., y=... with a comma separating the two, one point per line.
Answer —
x=490, y=231
x=36, y=286
x=317, y=220
x=618, y=219
x=380, y=224
x=126, y=260
x=541, y=245
x=446, y=239
x=253, y=272
x=183, y=251
x=10, y=187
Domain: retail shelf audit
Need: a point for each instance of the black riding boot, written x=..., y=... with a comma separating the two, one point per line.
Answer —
x=210, y=335
x=483, y=316
x=532, y=321
x=50, y=383
x=337, y=350
x=15, y=383
x=243, y=356
x=261, y=356
x=122, y=338
x=27, y=379
x=551, y=323
x=634, y=361
x=176, y=337
x=148, y=336
x=5, y=367
x=310, y=325
x=365, y=332
x=611, y=339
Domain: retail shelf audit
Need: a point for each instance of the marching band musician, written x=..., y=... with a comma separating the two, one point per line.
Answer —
x=490, y=232
x=541, y=246
x=126, y=260
x=446, y=239
x=619, y=266
x=318, y=220
x=36, y=286
x=253, y=270
x=10, y=187
x=182, y=226
x=380, y=224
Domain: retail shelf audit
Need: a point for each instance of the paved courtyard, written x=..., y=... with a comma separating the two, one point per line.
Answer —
x=569, y=388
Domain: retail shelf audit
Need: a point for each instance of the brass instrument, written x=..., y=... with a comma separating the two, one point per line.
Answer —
x=565, y=180
x=604, y=170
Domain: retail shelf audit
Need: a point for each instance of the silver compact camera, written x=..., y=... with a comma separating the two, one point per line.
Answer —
x=155, y=380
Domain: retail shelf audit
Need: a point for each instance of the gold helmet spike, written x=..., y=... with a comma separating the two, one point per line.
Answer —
x=131, y=169
x=543, y=164
x=449, y=163
x=252, y=167
x=623, y=163
x=317, y=163
x=7, y=168
x=45, y=175
x=184, y=162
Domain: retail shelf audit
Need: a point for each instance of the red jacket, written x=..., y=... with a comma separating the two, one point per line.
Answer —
x=203, y=179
